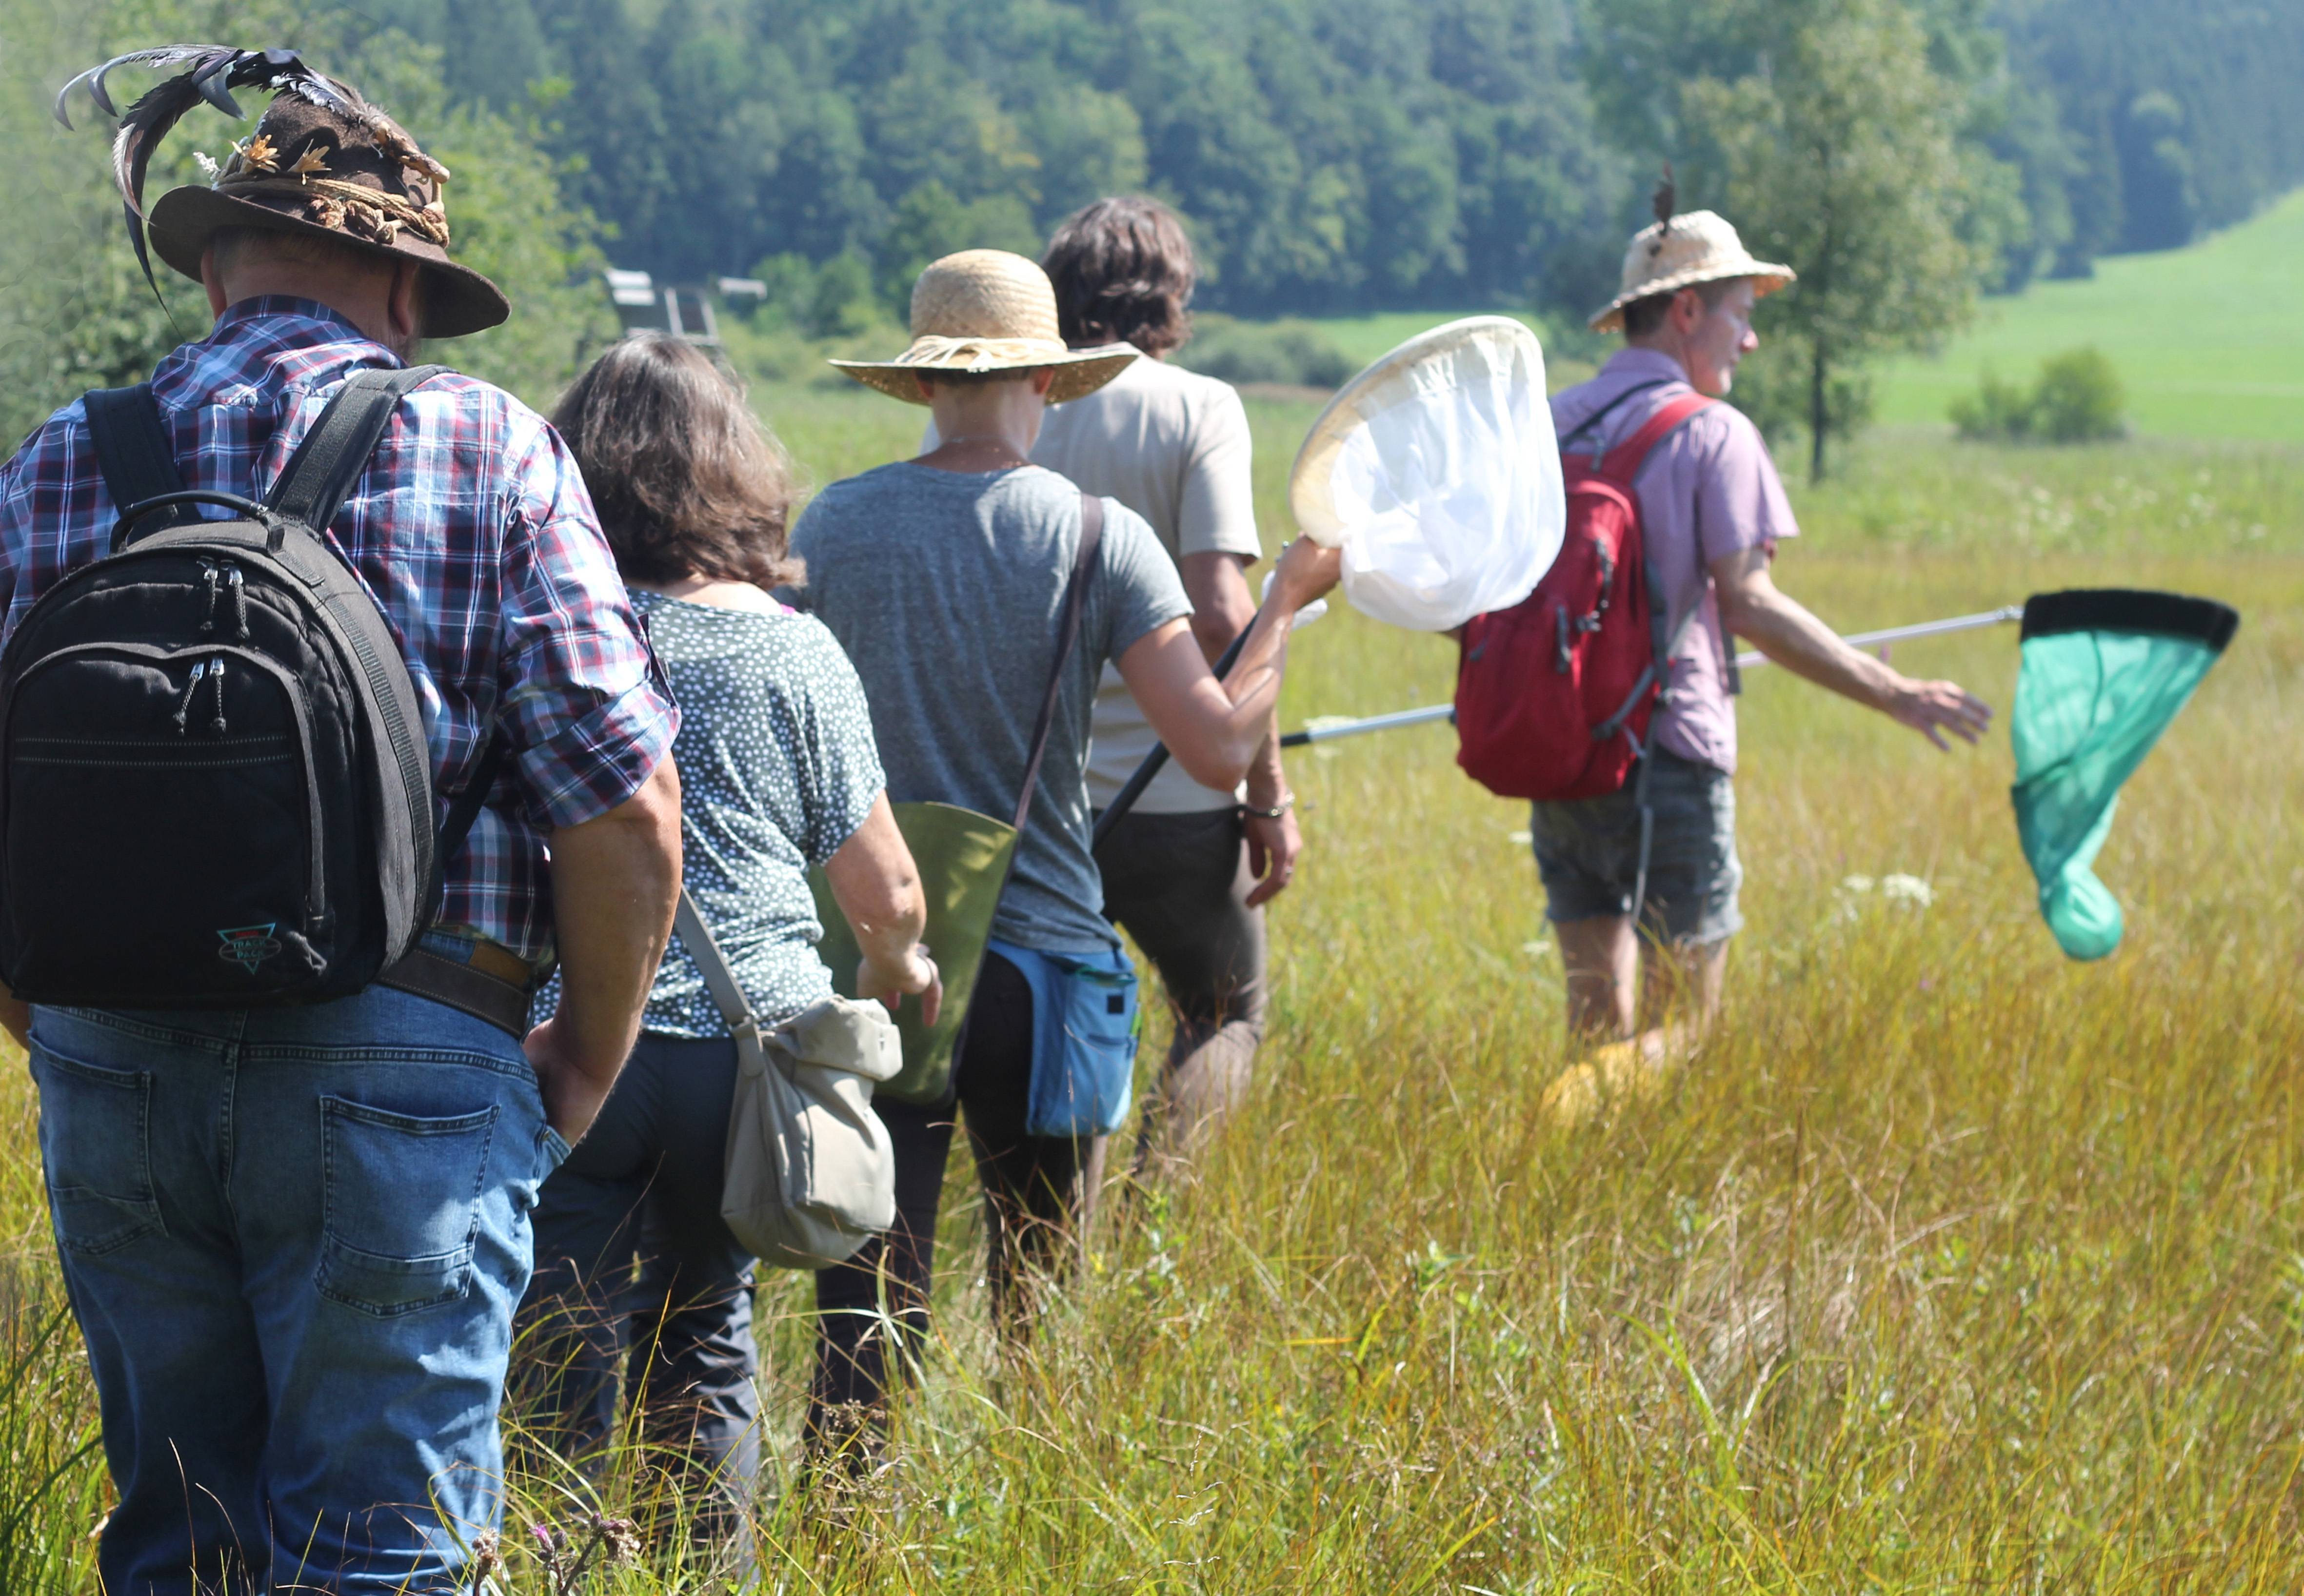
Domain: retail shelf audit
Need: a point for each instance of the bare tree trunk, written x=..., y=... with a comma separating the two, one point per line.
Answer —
x=1816, y=412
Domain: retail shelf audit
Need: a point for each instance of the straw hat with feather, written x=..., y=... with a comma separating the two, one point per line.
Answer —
x=1680, y=251
x=322, y=162
x=986, y=310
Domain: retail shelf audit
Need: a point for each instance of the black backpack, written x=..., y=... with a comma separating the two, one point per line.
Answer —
x=215, y=788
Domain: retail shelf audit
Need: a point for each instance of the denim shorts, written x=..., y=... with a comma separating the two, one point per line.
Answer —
x=1587, y=853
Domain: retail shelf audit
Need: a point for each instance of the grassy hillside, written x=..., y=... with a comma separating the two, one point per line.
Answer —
x=2209, y=339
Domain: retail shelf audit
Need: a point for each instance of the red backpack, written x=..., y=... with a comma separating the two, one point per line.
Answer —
x=1554, y=696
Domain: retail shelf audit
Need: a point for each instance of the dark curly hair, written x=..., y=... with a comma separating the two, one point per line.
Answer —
x=1123, y=272
x=686, y=479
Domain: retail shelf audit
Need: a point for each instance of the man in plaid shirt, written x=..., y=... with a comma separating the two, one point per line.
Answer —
x=294, y=1238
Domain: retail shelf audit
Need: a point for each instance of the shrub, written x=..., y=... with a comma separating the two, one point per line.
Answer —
x=2076, y=400
x=1295, y=352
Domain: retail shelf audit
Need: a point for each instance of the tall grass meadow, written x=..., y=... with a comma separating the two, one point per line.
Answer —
x=1944, y=1264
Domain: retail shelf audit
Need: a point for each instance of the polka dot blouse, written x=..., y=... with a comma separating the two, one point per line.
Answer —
x=777, y=769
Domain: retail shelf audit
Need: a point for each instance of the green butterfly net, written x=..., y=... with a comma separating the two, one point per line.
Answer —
x=2104, y=671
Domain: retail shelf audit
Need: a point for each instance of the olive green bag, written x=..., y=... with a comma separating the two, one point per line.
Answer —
x=964, y=860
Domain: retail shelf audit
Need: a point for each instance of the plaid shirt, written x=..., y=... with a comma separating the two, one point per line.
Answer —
x=471, y=528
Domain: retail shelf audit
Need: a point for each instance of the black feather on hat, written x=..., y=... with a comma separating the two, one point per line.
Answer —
x=322, y=160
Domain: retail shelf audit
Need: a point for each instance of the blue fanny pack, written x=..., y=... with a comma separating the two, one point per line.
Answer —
x=1083, y=1039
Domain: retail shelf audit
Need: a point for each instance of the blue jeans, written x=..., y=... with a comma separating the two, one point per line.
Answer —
x=294, y=1240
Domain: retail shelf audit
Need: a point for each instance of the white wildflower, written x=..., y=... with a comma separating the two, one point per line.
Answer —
x=1908, y=890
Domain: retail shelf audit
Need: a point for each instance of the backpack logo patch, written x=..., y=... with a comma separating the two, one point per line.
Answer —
x=249, y=946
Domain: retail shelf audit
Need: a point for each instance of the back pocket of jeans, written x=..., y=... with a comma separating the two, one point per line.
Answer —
x=403, y=1205
x=96, y=1137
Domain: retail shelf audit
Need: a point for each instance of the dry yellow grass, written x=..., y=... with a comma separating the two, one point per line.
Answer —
x=1945, y=1264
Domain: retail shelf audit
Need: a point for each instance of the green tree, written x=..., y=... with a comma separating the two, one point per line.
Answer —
x=1842, y=159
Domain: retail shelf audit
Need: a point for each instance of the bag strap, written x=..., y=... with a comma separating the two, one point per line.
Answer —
x=1608, y=409
x=330, y=460
x=719, y=979
x=133, y=447
x=1067, y=635
x=1624, y=462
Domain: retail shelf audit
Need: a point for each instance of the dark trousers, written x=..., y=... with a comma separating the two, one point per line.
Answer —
x=1032, y=1190
x=1179, y=883
x=635, y=1270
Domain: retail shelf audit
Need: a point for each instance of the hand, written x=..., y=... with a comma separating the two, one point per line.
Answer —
x=1306, y=571
x=572, y=1091
x=919, y=973
x=1933, y=709
x=1274, y=847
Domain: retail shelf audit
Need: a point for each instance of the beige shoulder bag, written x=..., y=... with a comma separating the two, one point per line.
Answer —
x=811, y=1175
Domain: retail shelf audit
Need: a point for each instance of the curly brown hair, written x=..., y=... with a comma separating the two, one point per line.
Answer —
x=686, y=479
x=1123, y=272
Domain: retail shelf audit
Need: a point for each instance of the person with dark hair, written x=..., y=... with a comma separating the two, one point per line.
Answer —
x=947, y=577
x=1188, y=870
x=635, y=1267
x=1712, y=513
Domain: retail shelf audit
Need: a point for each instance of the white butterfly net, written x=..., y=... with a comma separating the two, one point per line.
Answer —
x=1436, y=472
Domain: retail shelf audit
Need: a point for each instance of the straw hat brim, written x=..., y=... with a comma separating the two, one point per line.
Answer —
x=457, y=299
x=1767, y=277
x=1079, y=372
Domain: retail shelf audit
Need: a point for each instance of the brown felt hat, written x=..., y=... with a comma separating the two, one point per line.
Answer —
x=308, y=169
x=989, y=310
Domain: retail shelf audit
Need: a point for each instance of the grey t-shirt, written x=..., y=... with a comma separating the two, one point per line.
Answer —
x=946, y=588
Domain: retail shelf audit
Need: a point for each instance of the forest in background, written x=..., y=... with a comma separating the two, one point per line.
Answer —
x=1333, y=155
x=1330, y=156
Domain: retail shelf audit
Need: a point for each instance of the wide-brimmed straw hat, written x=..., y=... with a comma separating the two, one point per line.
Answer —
x=323, y=162
x=989, y=310
x=1697, y=246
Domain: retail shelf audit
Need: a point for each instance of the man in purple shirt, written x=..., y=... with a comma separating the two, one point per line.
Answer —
x=293, y=1237
x=1712, y=510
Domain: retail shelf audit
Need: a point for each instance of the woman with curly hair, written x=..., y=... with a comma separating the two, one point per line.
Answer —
x=780, y=773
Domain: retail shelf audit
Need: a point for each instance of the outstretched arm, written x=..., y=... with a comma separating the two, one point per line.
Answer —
x=1214, y=728
x=1779, y=626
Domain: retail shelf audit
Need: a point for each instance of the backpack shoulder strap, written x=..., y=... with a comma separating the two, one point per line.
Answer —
x=312, y=486
x=1624, y=462
x=1067, y=635
x=132, y=448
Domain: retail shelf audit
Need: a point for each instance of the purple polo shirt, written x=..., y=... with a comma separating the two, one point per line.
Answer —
x=1708, y=490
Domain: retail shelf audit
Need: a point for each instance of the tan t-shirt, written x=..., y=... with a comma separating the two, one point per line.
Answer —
x=1174, y=447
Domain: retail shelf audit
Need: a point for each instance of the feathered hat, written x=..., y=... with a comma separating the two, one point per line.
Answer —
x=322, y=161
x=1681, y=252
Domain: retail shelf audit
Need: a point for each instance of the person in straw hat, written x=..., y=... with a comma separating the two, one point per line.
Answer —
x=295, y=1236
x=945, y=577
x=1713, y=511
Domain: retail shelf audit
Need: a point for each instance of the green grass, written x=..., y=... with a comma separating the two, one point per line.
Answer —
x=1947, y=1265
x=2208, y=339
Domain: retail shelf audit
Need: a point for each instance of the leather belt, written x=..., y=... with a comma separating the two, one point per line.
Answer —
x=475, y=989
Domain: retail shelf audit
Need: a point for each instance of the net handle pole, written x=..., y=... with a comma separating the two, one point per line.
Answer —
x=1447, y=712
x=1133, y=788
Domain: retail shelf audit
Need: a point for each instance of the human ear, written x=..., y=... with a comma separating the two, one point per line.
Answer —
x=1043, y=380
x=405, y=305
